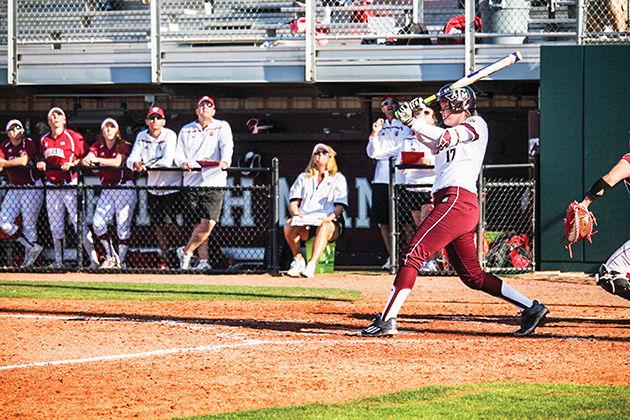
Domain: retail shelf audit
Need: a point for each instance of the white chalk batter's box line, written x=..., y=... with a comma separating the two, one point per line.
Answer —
x=198, y=349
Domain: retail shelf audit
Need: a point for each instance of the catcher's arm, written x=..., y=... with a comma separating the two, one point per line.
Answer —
x=618, y=173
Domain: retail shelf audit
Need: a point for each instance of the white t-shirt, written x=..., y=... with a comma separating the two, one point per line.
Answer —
x=458, y=164
x=387, y=144
x=214, y=142
x=157, y=152
x=319, y=200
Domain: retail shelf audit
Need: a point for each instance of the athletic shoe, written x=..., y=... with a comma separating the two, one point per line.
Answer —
x=309, y=271
x=430, y=266
x=531, y=318
x=31, y=255
x=380, y=328
x=297, y=266
x=388, y=265
x=94, y=265
x=184, y=259
x=110, y=262
x=202, y=266
x=162, y=265
x=56, y=265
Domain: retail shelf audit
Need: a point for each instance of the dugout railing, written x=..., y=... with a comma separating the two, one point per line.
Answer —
x=507, y=219
x=244, y=241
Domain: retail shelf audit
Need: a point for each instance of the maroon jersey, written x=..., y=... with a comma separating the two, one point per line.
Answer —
x=9, y=151
x=111, y=176
x=67, y=147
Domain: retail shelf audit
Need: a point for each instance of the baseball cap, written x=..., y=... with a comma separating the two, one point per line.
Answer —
x=12, y=123
x=388, y=100
x=156, y=110
x=205, y=99
x=321, y=146
x=57, y=110
x=109, y=121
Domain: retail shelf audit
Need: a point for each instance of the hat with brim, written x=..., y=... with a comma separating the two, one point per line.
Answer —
x=56, y=110
x=109, y=121
x=13, y=123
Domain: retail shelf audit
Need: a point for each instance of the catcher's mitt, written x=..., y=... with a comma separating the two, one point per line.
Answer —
x=578, y=224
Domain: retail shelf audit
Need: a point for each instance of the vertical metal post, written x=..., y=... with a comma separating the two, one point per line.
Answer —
x=534, y=203
x=417, y=14
x=482, y=217
x=156, y=53
x=80, y=219
x=12, y=77
x=393, y=227
x=581, y=13
x=275, y=216
x=469, y=37
x=309, y=47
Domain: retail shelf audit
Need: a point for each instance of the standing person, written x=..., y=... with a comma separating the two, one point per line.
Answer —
x=459, y=151
x=15, y=152
x=384, y=142
x=614, y=274
x=62, y=150
x=417, y=200
x=155, y=148
x=317, y=200
x=207, y=139
x=111, y=151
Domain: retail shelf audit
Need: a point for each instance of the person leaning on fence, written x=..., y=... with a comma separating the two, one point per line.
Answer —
x=62, y=150
x=614, y=274
x=15, y=152
x=318, y=198
x=207, y=144
x=417, y=200
x=384, y=142
x=111, y=151
x=154, y=148
x=459, y=151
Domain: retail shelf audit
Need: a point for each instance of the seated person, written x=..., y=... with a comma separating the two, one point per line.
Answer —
x=318, y=198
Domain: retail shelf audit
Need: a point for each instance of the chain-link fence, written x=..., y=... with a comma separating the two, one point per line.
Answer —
x=277, y=22
x=506, y=221
x=139, y=228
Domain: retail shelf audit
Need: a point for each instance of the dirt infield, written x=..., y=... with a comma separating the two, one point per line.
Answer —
x=61, y=359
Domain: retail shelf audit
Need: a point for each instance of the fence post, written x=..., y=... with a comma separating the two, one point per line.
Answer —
x=581, y=9
x=156, y=59
x=309, y=47
x=469, y=37
x=482, y=217
x=80, y=218
x=275, y=216
x=12, y=78
x=393, y=227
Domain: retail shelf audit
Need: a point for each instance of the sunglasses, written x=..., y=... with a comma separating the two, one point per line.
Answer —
x=389, y=102
x=16, y=128
x=155, y=118
x=206, y=104
x=321, y=152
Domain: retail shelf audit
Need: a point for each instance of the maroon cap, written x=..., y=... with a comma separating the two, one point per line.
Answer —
x=205, y=99
x=388, y=99
x=156, y=110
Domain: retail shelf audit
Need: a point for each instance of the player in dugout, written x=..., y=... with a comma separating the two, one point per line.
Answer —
x=16, y=152
x=459, y=151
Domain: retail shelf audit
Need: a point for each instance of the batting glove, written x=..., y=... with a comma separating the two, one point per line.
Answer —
x=417, y=104
x=405, y=113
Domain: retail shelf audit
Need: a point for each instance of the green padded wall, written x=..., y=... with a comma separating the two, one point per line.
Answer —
x=585, y=126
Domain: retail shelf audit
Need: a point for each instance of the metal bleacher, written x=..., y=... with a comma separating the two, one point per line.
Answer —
x=95, y=41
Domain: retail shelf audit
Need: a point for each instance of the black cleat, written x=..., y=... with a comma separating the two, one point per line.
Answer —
x=380, y=328
x=531, y=318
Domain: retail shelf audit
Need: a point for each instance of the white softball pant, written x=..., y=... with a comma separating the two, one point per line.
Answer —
x=28, y=203
x=58, y=201
x=619, y=261
x=120, y=203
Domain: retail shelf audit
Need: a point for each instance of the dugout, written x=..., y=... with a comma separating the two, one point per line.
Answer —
x=585, y=129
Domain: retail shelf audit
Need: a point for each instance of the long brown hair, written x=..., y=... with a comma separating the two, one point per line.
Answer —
x=311, y=169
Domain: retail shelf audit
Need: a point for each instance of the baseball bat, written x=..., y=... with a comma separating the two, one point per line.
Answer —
x=471, y=78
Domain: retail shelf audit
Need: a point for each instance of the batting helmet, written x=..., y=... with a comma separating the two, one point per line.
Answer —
x=460, y=99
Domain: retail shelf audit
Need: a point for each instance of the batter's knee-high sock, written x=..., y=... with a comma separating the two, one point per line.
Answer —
x=106, y=241
x=500, y=288
x=405, y=279
x=123, y=247
x=58, y=244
